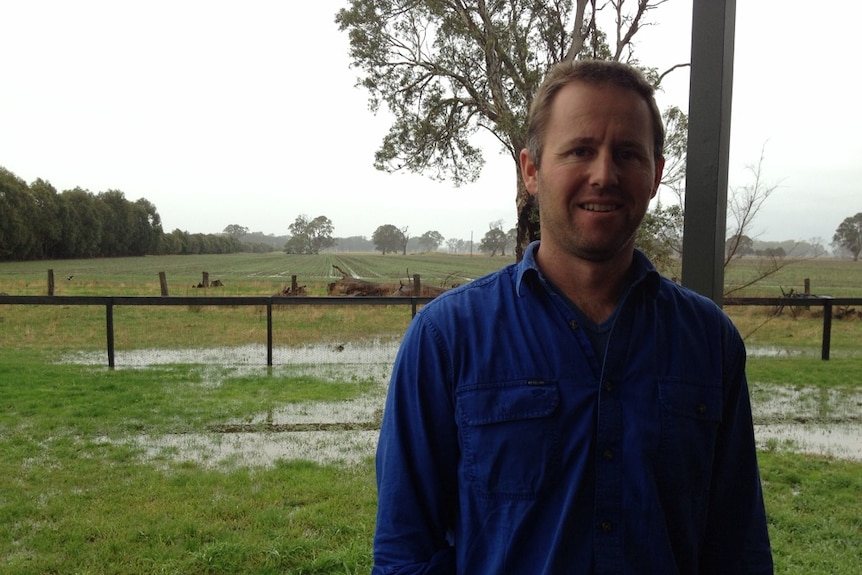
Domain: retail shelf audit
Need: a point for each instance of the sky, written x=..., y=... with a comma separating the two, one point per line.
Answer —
x=247, y=113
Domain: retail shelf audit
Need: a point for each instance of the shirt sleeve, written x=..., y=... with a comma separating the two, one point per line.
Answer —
x=736, y=539
x=417, y=458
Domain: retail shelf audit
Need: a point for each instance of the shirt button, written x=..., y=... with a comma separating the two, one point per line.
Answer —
x=606, y=526
x=701, y=409
x=608, y=454
x=573, y=324
x=609, y=386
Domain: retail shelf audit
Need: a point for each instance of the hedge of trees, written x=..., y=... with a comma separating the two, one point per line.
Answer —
x=37, y=222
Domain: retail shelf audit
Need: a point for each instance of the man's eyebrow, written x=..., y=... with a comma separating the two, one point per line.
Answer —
x=578, y=141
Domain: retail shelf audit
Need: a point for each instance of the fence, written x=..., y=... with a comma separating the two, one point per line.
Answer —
x=803, y=301
x=109, y=302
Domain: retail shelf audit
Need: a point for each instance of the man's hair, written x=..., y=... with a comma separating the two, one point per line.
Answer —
x=593, y=73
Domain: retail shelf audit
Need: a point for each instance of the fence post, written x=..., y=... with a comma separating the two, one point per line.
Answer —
x=269, y=333
x=827, y=329
x=293, y=286
x=163, y=284
x=206, y=279
x=109, y=320
x=50, y=282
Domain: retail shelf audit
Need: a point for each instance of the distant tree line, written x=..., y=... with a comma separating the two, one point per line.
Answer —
x=37, y=222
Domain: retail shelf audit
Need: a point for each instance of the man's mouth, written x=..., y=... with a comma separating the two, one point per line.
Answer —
x=599, y=207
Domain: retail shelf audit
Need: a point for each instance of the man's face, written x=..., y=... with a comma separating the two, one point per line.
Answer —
x=598, y=171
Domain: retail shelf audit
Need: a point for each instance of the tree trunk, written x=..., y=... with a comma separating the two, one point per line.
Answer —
x=528, y=218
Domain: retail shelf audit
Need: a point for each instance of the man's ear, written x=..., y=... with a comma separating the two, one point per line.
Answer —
x=529, y=172
x=659, y=172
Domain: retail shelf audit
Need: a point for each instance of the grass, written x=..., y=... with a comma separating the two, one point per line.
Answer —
x=813, y=505
x=242, y=274
x=76, y=499
x=80, y=494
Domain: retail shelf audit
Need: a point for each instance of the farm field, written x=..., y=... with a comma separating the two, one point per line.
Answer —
x=195, y=457
x=263, y=274
x=242, y=274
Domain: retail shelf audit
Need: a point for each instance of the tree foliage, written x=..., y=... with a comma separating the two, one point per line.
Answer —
x=388, y=239
x=495, y=239
x=310, y=236
x=448, y=69
x=431, y=240
x=848, y=235
x=235, y=230
x=660, y=236
x=39, y=223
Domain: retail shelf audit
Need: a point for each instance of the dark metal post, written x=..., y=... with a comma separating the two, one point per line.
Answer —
x=269, y=333
x=827, y=330
x=712, y=43
x=109, y=318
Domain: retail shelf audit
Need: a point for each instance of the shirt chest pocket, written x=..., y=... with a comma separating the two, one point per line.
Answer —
x=690, y=417
x=510, y=437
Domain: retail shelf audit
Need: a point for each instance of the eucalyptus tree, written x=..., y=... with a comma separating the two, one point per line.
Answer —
x=449, y=69
x=848, y=235
x=310, y=236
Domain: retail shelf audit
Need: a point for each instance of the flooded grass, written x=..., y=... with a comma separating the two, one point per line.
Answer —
x=214, y=464
x=798, y=418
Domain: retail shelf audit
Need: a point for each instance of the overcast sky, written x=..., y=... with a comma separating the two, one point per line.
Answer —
x=246, y=113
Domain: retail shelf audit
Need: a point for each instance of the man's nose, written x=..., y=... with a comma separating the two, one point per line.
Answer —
x=604, y=171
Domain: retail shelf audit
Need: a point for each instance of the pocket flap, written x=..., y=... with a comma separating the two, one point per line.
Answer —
x=691, y=399
x=497, y=403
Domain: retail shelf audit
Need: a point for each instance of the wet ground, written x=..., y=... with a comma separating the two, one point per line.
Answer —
x=801, y=419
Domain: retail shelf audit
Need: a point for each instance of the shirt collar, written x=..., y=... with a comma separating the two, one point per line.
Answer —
x=643, y=270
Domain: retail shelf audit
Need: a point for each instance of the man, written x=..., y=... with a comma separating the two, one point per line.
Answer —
x=574, y=413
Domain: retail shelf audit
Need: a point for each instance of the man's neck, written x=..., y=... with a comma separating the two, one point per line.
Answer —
x=595, y=287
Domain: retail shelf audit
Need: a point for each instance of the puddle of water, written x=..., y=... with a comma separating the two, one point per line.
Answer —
x=782, y=403
x=773, y=351
x=839, y=440
x=802, y=419
x=259, y=449
x=342, y=361
x=361, y=353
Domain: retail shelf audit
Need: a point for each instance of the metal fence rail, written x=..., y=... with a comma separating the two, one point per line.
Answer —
x=827, y=303
x=265, y=301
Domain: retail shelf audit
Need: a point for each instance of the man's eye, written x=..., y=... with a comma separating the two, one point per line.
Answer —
x=579, y=152
x=627, y=155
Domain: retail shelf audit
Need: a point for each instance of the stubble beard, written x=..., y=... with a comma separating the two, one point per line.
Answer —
x=573, y=241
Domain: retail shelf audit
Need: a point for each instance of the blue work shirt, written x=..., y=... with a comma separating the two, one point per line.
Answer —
x=507, y=447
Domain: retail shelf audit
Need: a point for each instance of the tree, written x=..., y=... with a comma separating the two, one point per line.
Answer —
x=447, y=69
x=405, y=237
x=310, y=236
x=236, y=231
x=82, y=224
x=431, y=240
x=457, y=246
x=742, y=207
x=387, y=238
x=17, y=240
x=848, y=235
x=494, y=240
x=146, y=228
x=46, y=224
x=660, y=236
